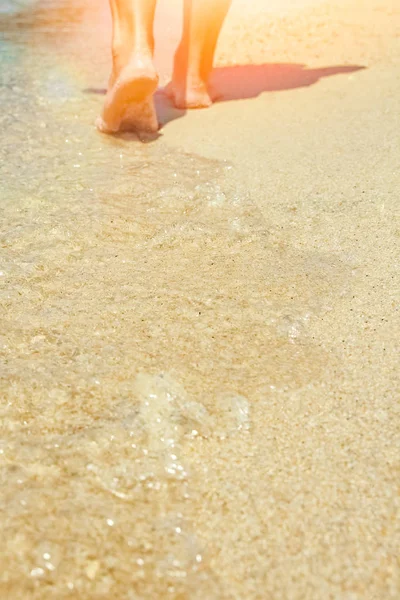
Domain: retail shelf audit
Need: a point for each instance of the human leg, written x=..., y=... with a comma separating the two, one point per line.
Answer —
x=203, y=20
x=133, y=79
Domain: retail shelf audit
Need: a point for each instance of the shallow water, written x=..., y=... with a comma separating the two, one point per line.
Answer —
x=156, y=340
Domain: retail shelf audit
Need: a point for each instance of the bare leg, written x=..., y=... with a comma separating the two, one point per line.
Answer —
x=133, y=79
x=194, y=57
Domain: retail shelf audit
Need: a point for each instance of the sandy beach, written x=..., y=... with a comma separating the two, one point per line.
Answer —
x=199, y=340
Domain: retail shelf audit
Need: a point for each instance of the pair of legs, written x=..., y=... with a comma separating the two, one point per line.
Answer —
x=134, y=79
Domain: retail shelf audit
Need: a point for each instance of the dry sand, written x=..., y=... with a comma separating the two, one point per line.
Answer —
x=199, y=376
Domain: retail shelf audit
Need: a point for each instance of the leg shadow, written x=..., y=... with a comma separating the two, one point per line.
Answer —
x=249, y=81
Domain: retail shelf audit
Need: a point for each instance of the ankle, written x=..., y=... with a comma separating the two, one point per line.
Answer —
x=195, y=66
x=121, y=50
x=190, y=77
x=126, y=54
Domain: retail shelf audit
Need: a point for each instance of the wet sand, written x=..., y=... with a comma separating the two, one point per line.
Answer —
x=200, y=332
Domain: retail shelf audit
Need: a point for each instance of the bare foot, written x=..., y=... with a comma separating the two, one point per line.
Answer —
x=188, y=94
x=140, y=117
x=132, y=87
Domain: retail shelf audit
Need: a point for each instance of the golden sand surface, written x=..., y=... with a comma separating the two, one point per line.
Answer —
x=200, y=332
